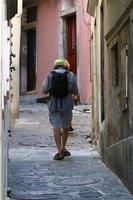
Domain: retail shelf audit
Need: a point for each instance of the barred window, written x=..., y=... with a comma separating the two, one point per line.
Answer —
x=115, y=65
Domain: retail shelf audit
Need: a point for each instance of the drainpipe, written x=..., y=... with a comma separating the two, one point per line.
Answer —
x=1, y=138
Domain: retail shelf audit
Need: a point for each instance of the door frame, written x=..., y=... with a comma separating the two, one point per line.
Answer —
x=62, y=36
x=23, y=61
x=68, y=41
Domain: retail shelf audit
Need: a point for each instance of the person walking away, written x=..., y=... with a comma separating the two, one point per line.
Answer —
x=61, y=85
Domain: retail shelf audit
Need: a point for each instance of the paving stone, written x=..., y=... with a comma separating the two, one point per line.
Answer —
x=35, y=175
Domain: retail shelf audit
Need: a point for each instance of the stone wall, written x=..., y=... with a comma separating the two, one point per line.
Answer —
x=117, y=138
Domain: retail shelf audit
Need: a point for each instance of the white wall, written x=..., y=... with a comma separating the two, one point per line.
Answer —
x=15, y=49
x=4, y=83
x=5, y=94
x=96, y=71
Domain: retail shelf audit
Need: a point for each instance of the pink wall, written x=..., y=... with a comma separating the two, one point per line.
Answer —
x=47, y=39
x=84, y=52
x=84, y=55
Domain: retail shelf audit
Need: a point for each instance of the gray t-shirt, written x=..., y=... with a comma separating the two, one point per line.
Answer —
x=61, y=104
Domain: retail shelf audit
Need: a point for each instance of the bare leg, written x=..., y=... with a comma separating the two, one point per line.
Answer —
x=64, y=138
x=57, y=137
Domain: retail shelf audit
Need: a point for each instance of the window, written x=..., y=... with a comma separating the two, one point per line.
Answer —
x=124, y=78
x=115, y=66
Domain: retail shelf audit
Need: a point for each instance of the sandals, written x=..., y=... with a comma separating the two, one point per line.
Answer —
x=59, y=156
x=66, y=153
x=71, y=128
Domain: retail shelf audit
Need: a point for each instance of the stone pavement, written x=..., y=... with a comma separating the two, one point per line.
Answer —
x=33, y=174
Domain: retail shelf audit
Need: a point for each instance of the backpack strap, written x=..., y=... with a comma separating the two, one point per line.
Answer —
x=53, y=72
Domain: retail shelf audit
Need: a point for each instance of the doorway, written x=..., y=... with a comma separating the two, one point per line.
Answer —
x=71, y=42
x=31, y=60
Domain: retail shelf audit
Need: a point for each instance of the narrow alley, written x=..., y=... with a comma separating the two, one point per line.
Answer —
x=35, y=175
x=96, y=50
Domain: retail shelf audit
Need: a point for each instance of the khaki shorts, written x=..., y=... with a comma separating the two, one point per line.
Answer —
x=60, y=119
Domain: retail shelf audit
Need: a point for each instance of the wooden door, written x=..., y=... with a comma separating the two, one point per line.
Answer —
x=71, y=42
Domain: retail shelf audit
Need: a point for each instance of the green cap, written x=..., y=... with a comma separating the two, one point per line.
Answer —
x=58, y=62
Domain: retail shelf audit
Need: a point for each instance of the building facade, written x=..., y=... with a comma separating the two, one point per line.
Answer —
x=51, y=29
x=8, y=11
x=112, y=63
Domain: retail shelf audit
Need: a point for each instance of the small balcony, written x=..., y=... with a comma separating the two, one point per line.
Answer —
x=11, y=8
x=29, y=3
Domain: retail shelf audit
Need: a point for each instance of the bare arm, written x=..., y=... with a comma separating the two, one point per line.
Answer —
x=46, y=85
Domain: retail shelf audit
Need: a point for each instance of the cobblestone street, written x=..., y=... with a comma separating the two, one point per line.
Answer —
x=33, y=174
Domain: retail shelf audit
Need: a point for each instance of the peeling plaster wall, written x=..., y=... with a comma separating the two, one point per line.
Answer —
x=97, y=125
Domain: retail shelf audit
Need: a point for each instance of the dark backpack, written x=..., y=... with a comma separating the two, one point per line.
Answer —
x=59, y=84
